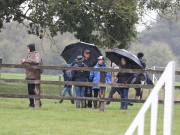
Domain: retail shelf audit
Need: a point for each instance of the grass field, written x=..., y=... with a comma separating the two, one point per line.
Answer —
x=63, y=119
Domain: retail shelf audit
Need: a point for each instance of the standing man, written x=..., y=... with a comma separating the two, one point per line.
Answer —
x=80, y=76
x=97, y=77
x=33, y=58
x=124, y=78
x=88, y=91
x=140, y=78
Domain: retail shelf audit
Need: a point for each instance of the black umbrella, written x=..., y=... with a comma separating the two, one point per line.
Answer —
x=116, y=54
x=71, y=51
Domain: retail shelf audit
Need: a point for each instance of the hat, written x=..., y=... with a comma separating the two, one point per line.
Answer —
x=31, y=47
x=79, y=58
x=101, y=58
x=140, y=55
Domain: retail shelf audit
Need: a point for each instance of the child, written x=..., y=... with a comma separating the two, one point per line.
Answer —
x=67, y=88
x=97, y=77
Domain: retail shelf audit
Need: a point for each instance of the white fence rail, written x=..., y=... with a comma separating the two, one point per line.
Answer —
x=167, y=79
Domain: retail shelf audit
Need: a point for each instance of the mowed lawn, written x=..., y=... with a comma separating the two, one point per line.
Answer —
x=64, y=119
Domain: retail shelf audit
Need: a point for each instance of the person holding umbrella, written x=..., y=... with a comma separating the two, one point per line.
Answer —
x=97, y=77
x=80, y=76
x=124, y=78
x=125, y=60
x=88, y=62
x=86, y=50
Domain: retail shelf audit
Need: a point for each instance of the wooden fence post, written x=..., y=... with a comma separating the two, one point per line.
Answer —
x=102, y=92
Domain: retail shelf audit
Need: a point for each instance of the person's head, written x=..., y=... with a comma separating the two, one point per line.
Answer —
x=140, y=55
x=87, y=54
x=79, y=59
x=123, y=61
x=31, y=48
x=100, y=60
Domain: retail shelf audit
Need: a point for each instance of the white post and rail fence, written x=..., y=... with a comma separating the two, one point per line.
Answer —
x=167, y=79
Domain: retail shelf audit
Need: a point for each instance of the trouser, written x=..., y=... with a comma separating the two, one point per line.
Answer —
x=113, y=91
x=67, y=90
x=101, y=93
x=88, y=93
x=138, y=92
x=124, y=97
x=95, y=93
x=34, y=89
x=80, y=91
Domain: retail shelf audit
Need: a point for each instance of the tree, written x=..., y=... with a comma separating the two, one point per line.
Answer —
x=107, y=23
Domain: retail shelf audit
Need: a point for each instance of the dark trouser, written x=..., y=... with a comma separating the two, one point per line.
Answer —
x=139, y=93
x=112, y=92
x=34, y=89
x=124, y=97
x=95, y=93
x=88, y=93
x=31, y=92
x=101, y=93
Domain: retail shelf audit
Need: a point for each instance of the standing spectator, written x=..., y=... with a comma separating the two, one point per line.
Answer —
x=88, y=91
x=124, y=78
x=67, y=88
x=97, y=77
x=140, y=78
x=80, y=76
x=33, y=58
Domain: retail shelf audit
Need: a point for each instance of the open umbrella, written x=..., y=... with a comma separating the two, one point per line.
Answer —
x=116, y=54
x=71, y=51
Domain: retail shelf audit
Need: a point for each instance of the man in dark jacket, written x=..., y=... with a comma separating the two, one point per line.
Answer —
x=140, y=77
x=33, y=58
x=124, y=78
x=80, y=76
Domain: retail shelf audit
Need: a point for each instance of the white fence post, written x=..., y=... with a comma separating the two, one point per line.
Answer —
x=169, y=99
x=167, y=78
x=154, y=115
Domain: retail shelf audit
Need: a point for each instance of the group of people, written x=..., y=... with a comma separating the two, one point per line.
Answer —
x=34, y=58
x=97, y=77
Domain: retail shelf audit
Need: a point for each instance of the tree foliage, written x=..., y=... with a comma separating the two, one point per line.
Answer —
x=107, y=23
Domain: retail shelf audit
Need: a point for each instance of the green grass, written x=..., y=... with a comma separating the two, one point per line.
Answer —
x=56, y=119
x=63, y=119
x=22, y=76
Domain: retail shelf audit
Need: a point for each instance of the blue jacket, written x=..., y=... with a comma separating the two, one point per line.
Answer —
x=95, y=76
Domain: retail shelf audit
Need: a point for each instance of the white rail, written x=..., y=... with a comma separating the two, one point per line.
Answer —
x=167, y=79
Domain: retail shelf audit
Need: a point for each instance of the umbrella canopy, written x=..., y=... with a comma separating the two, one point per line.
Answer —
x=116, y=54
x=71, y=51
